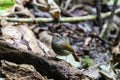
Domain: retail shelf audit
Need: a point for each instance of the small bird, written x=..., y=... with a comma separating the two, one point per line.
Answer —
x=61, y=47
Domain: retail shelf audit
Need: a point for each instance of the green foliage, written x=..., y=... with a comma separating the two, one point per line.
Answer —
x=107, y=69
x=88, y=61
x=5, y=6
x=111, y=2
x=114, y=65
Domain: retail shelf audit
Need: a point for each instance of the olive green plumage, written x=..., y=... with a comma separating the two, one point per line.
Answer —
x=61, y=47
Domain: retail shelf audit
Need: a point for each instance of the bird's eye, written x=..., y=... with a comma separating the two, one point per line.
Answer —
x=57, y=35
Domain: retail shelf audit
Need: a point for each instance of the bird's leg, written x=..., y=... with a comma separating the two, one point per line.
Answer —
x=66, y=58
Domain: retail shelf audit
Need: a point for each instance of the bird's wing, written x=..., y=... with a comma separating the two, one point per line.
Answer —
x=67, y=46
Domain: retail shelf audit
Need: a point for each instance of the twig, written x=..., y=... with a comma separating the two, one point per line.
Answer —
x=67, y=19
x=106, y=28
x=97, y=36
x=113, y=11
x=103, y=29
x=75, y=7
x=65, y=12
x=99, y=19
x=66, y=4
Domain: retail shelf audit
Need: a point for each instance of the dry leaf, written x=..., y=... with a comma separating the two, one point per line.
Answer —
x=30, y=38
x=45, y=43
x=20, y=36
x=54, y=9
x=42, y=4
x=9, y=33
x=50, y=6
x=116, y=49
x=20, y=4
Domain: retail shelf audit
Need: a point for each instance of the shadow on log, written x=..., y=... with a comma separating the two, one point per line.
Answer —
x=47, y=67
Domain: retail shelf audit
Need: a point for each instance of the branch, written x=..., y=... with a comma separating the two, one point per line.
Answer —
x=66, y=19
x=98, y=8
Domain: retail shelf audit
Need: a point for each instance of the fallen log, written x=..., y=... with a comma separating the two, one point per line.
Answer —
x=47, y=67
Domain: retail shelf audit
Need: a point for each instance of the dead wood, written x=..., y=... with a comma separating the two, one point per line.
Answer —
x=12, y=71
x=47, y=67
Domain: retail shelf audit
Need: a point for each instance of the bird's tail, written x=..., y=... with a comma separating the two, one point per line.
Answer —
x=76, y=57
